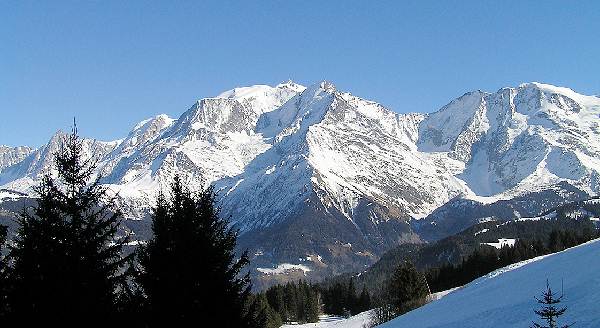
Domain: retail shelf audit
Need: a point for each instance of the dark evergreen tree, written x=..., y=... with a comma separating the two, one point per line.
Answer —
x=261, y=314
x=67, y=263
x=291, y=298
x=364, y=300
x=334, y=298
x=555, y=242
x=295, y=301
x=3, y=234
x=340, y=298
x=549, y=310
x=301, y=301
x=311, y=307
x=276, y=298
x=189, y=271
x=350, y=297
x=407, y=289
x=131, y=300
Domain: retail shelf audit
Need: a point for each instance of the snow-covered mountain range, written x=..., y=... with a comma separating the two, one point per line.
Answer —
x=325, y=181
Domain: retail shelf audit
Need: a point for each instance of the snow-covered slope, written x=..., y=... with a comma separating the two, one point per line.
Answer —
x=212, y=140
x=342, y=149
x=519, y=140
x=317, y=172
x=12, y=155
x=505, y=298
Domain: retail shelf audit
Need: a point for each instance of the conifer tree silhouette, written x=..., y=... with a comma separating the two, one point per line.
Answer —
x=189, y=271
x=549, y=310
x=67, y=262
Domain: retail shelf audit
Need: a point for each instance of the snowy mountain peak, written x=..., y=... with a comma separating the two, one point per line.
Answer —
x=245, y=92
x=327, y=86
x=161, y=119
x=258, y=89
x=549, y=88
x=235, y=110
x=291, y=85
x=265, y=98
x=463, y=118
x=145, y=131
x=300, y=112
x=58, y=136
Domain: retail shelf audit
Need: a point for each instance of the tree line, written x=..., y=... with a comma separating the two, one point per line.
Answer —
x=301, y=302
x=343, y=299
x=485, y=259
x=295, y=302
x=452, y=250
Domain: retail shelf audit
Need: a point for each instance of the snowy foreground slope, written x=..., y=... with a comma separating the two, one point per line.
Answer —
x=505, y=298
x=361, y=320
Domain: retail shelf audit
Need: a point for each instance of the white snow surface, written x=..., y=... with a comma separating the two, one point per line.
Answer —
x=502, y=242
x=506, y=297
x=439, y=295
x=360, y=320
x=6, y=194
x=481, y=231
x=283, y=268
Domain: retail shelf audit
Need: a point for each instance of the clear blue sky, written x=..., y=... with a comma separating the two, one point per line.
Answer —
x=113, y=63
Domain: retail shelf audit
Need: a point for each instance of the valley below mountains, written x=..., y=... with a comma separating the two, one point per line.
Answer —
x=320, y=182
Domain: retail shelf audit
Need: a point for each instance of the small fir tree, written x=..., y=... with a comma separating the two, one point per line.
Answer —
x=407, y=289
x=550, y=311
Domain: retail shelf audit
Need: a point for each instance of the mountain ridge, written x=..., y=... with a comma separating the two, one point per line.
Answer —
x=287, y=155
